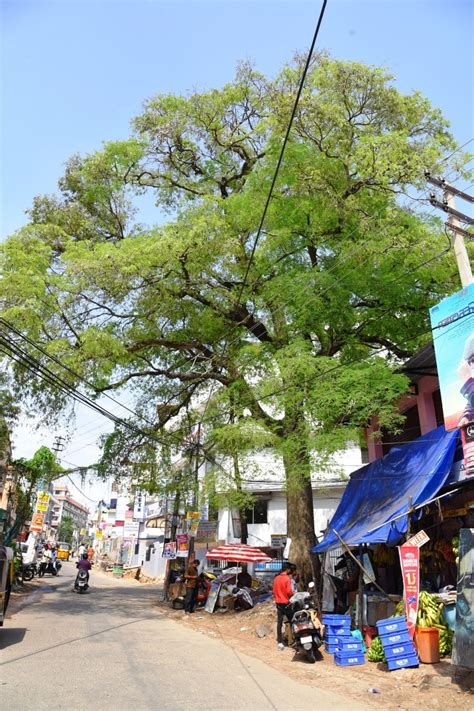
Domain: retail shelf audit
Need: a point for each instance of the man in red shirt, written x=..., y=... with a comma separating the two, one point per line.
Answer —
x=282, y=591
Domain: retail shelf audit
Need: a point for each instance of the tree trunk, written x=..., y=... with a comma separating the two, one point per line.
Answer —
x=300, y=513
x=242, y=512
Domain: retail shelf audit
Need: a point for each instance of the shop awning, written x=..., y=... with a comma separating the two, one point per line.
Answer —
x=410, y=474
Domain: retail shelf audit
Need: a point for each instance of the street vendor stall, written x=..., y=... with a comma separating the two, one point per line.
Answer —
x=398, y=524
x=234, y=587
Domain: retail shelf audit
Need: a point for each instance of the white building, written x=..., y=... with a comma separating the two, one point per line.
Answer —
x=267, y=519
x=65, y=505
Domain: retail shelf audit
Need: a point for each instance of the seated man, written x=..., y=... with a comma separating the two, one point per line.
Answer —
x=244, y=579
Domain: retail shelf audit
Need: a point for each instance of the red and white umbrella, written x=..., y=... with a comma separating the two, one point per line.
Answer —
x=238, y=553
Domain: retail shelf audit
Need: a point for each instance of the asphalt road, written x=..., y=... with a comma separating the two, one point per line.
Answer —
x=113, y=649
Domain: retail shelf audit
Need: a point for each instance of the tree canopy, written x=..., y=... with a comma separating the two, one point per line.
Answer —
x=301, y=353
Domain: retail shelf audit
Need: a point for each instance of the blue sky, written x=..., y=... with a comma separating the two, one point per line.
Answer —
x=75, y=73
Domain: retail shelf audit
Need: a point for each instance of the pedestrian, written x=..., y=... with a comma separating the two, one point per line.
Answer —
x=282, y=592
x=90, y=553
x=191, y=578
x=80, y=551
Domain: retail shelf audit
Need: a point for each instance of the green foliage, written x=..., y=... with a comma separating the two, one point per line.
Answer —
x=308, y=349
x=66, y=529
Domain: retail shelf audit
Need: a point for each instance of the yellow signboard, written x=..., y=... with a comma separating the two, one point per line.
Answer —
x=98, y=534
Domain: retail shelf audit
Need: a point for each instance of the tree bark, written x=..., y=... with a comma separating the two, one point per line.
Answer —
x=300, y=513
x=242, y=512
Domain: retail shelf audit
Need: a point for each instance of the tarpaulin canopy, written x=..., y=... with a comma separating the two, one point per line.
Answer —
x=408, y=476
x=239, y=553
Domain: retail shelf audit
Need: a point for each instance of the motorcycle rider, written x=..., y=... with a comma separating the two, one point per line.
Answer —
x=84, y=564
x=282, y=592
x=46, y=557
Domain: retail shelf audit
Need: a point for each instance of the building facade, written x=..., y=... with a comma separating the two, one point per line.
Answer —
x=65, y=505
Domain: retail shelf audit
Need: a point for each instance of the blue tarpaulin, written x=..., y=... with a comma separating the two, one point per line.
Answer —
x=381, y=491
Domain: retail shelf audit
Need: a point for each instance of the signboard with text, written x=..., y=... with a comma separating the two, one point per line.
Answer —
x=418, y=540
x=182, y=542
x=139, y=506
x=410, y=565
x=37, y=521
x=452, y=322
x=130, y=529
x=169, y=550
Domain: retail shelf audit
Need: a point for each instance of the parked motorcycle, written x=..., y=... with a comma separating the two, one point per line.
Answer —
x=305, y=633
x=81, y=584
x=204, y=585
x=29, y=571
x=49, y=566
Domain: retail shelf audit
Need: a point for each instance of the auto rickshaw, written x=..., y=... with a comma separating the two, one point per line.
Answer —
x=6, y=579
x=63, y=551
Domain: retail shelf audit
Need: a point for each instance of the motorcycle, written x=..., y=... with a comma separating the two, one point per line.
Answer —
x=81, y=584
x=305, y=629
x=29, y=571
x=204, y=585
x=49, y=566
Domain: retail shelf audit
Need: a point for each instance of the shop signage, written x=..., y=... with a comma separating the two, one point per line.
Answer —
x=139, y=505
x=452, y=322
x=410, y=565
x=42, y=502
x=182, y=543
x=130, y=529
x=278, y=540
x=99, y=534
x=193, y=518
x=206, y=532
x=418, y=540
x=169, y=550
x=37, y=521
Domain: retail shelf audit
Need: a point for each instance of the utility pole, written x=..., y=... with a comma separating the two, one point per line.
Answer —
x=453, y=223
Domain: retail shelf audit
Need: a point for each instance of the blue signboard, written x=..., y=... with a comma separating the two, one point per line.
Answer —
x=452, y=321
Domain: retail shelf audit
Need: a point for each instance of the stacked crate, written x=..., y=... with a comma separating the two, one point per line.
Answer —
x=397, y=644
x=338, y=641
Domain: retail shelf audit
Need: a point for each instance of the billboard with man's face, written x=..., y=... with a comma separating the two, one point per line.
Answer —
x=452, y=321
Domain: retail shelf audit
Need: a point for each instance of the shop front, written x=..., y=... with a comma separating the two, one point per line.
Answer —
x=393, y=544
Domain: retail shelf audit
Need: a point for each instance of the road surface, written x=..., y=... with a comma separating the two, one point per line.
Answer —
x=112, y=648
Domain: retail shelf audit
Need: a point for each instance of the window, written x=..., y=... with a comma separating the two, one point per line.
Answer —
x=258, y=513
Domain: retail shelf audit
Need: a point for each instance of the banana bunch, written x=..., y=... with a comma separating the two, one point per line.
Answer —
x=376, y=653
x=429, y=611
x=455, y=545
x=384, y=556
x=445, y=641
x=430, y=614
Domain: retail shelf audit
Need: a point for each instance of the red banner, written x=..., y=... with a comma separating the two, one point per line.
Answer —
x=410, y=565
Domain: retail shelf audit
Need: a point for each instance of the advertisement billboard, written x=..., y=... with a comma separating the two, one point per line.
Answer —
x=452, y=322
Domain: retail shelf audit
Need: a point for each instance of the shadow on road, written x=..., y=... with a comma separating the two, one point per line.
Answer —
x=127, y=601
x=11, y=636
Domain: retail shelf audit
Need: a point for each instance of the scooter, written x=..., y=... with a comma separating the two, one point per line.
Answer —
x=49, y=566
x=306, y=632
x=204, y=585
x=81, y=584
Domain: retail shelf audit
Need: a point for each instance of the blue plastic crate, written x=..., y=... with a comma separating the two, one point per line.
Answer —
x=403, y=649
x=350, y=660
x=354, y=646
x=331, y=648
x=338, y=638
x=392, y=624
x=337, y=620
x=337, y=631
x=411, y=660
x=395, y=638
